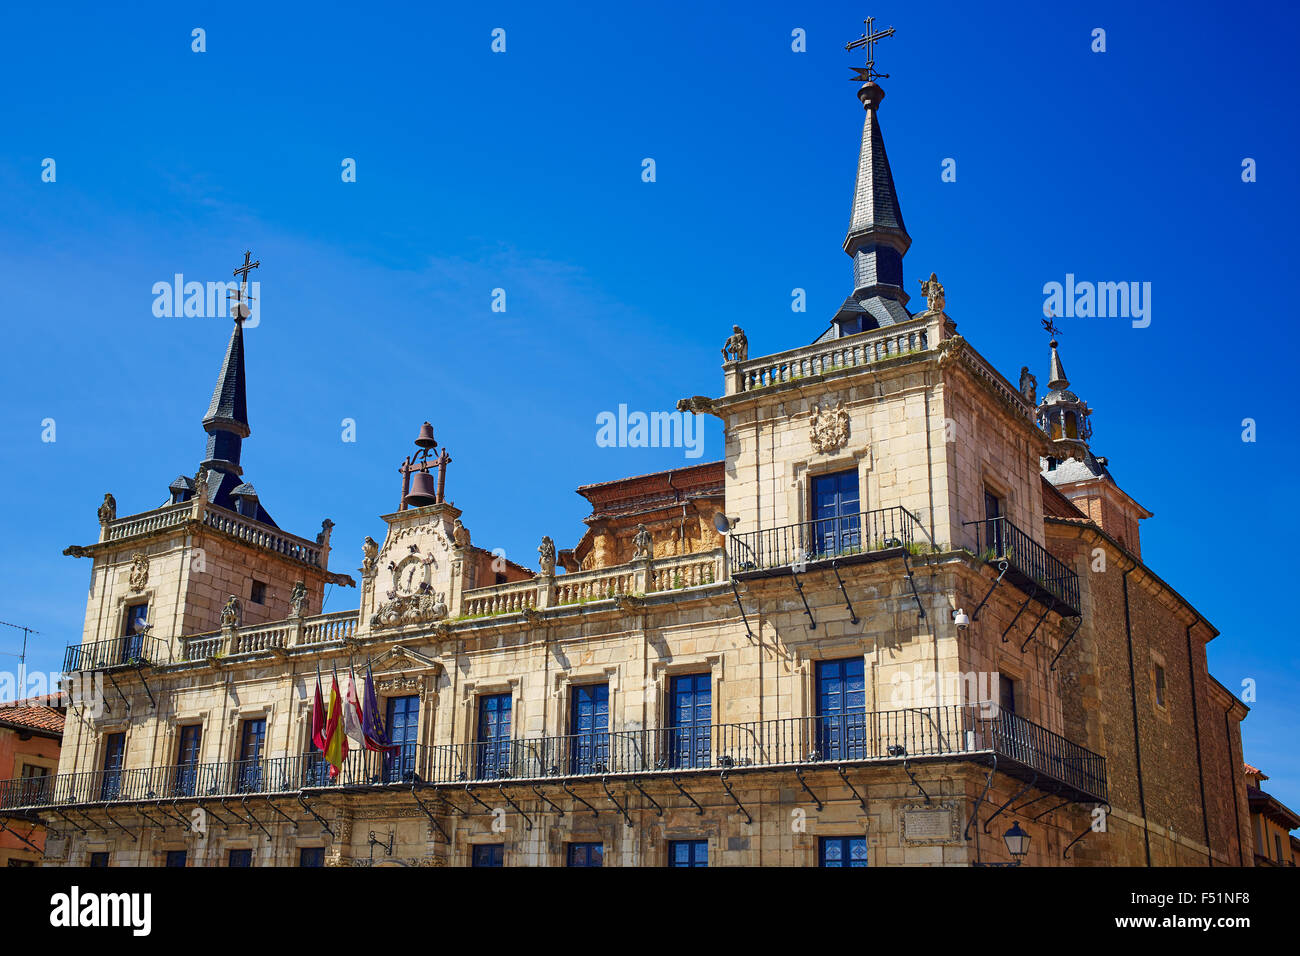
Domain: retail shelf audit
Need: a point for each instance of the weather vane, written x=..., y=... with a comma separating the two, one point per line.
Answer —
x=868, y=39
x=1049, y=326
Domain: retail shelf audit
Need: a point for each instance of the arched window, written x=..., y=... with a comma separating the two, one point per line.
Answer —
x=1071, y=425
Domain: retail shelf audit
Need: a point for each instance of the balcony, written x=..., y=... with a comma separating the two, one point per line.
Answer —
x=1030, y=566
x=278, y=775
x=849, y=538
x=958, y=731
x=119, y=653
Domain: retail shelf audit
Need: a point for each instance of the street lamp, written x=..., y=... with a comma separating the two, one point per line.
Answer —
x=1017, y=841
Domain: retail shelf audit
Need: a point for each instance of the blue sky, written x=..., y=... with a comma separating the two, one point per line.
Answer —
x=522, y=171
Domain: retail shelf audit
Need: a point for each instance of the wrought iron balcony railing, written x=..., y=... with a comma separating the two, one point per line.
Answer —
x=808, y=542
x=1031, y=564
x=131, y=651
x=175, y=782
x=1023, y=748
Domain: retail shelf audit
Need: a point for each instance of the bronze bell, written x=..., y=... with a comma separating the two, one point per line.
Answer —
x=425, y=438
x=422, y=491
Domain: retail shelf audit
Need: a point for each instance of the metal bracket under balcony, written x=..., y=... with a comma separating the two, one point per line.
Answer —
x=1030, y=566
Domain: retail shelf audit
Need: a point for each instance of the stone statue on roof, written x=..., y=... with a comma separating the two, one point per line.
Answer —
x=1028, y=385
x=643, y=541
x=737, y=347
x=932, y=289
x=546, y=553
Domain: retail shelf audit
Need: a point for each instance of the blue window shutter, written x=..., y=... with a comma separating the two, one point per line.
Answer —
x=842, y=851
x=585, y=854
x=403, y=728
x=835, y=508
x=589, y=729
x=841, y=709
x=488, y=854
x=493, y=745
x=688, y=853
x=691, y=721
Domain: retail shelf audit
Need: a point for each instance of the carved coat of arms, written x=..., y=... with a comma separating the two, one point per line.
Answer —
x=830, y=426
x=139, y=575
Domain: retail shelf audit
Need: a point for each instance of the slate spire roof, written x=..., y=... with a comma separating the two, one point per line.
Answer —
x=875, y=200
x=877, y=238
x=1057, y=379
x=229, y=406
x=226, y=423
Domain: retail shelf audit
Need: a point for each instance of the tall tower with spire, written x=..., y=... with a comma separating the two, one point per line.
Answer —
x=226, y=423
x=877, y=239
x=211, y=551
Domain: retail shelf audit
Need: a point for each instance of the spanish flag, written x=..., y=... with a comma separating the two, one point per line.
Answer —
x=336, y=742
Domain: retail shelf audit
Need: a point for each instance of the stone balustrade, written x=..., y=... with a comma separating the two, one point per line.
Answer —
x=686, y=571
x=199, y=647
x=635, y=578
x=219, y=519
x=262, y=536
x=500, y=599
x=597, y=585
x=921, y=333
x=146, y=522
x=263, y=637
x=337, y=626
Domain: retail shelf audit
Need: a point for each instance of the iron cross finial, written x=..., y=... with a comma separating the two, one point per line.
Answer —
x=247, y=267
x=868, y=39
x=241, y=295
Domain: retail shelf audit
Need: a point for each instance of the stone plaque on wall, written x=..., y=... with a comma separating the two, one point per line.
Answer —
x=921, y=824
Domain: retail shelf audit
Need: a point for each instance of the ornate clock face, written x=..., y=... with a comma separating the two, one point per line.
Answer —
x=409, y=574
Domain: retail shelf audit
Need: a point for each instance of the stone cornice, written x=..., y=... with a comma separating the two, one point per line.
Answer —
x=958, y=353
x=193, y=525
x=1151, y=582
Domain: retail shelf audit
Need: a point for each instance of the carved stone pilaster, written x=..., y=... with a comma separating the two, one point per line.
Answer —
x=546, y=590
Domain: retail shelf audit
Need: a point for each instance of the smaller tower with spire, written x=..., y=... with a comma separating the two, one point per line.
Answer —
x=1072, y=468
x=1061, y=413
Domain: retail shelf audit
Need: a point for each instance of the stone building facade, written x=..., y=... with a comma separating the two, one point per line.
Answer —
x=904, y=619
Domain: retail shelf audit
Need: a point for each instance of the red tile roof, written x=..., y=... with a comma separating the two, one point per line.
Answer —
x=37, y=717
